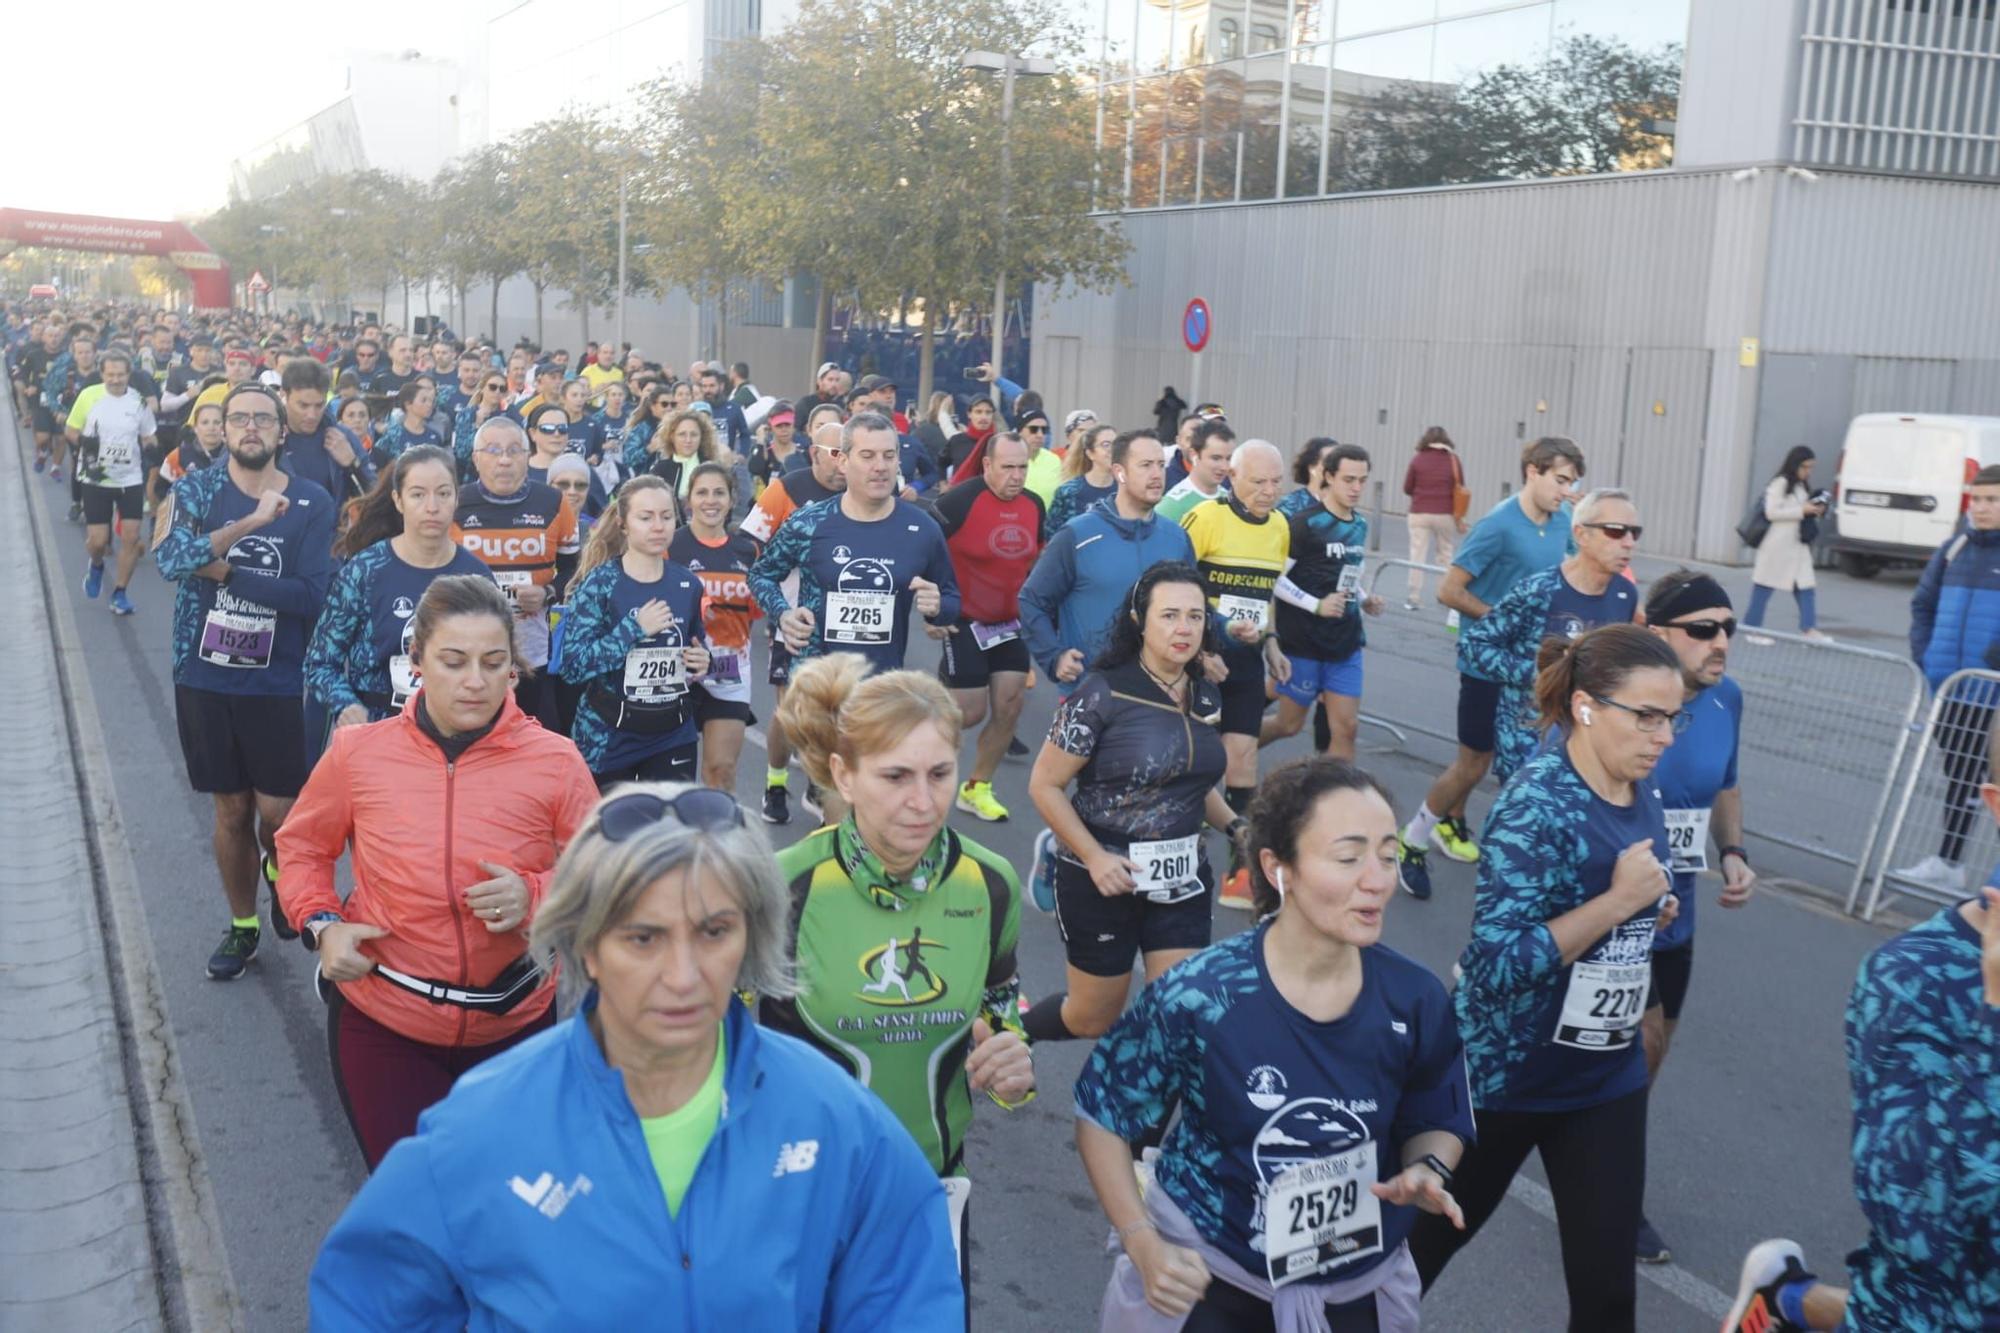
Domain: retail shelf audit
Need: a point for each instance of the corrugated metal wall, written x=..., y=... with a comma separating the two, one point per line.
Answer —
x=1609, y=309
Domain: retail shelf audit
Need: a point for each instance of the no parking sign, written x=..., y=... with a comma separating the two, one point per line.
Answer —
x=1195, y=325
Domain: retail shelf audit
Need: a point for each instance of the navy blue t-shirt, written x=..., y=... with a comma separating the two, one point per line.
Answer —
x=1284, y=1121
x=643, y=670
x=1700, y=764
x=392, y=603
x=1572, y=612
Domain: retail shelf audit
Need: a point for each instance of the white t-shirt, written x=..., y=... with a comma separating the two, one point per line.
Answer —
x=119, y=423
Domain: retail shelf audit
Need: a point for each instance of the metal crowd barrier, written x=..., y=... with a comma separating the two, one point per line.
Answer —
x=1940, y=803
x=1826, y=726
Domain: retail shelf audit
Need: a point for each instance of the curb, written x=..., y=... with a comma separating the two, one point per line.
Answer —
x=197, y=1289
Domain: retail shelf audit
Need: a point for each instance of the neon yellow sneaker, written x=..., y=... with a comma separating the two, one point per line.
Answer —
x=1451, y=838
x=976, y=799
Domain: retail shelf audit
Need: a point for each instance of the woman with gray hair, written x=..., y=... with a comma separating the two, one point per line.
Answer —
x=667, y=1163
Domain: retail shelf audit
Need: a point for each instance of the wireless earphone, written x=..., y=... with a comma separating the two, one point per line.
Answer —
x=1281, y=883
x=1584, y=713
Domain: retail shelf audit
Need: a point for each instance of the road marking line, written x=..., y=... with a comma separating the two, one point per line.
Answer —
x=1670, y=1278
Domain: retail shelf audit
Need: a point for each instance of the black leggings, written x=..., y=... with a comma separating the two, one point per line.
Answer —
x=1227, y=1309
x=1961, y=745
x=1595, y=1160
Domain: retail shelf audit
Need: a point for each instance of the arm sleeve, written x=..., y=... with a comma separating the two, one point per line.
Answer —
x=384, y=1264
x=316, y=832
x=953, y=506
x=1518, y=879
x=1475, y=553
x=575, y=796
x=1782, y=505
x=767, y=575
x=595, y=639
x=342, y=624
x=896, y=1267
x=1136, y=1075
x=1501, y=645
x=1436, y=1094
x=1924, y=602
x=185, y=548
x=1042, y=595
x=1410, y=475
x=946, y=578
x=1079, y=720
x=1000, y=1004
x=636, y=440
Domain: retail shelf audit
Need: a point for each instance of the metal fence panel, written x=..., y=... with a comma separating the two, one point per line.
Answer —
x=1938, y=816
x=1826, y=719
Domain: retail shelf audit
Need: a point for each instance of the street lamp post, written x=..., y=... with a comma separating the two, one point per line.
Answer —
x=1007, y=66
x=627, y=153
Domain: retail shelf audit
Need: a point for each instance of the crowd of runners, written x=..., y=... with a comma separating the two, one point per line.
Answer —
x=493, y=627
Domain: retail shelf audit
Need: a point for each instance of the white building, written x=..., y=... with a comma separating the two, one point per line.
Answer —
x=401, y=113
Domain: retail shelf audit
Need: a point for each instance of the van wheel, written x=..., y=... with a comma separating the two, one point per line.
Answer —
x=1861, y=566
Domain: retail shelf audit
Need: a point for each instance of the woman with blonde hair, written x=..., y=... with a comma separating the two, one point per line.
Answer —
x=685, y=441
x=1086, y=475
x=632, y=638
x=929, y=918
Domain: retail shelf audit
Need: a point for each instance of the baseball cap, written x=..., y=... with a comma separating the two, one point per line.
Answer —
x=547, y=368
x=1082, y=416
x=871, y=383
x=1210, y=411
x=823, y=368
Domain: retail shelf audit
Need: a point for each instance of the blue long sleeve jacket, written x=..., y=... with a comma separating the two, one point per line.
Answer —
x=1084, y=574
x=527, y=1199
x=1955, y=612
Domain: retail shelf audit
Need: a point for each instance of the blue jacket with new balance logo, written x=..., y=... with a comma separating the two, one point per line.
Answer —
x=1955, y=612
x=527, y=1199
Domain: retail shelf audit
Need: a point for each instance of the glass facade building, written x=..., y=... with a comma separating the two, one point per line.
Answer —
x=1238, y=101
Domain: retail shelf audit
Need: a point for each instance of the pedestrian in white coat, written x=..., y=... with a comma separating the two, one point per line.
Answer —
x=1784, y=559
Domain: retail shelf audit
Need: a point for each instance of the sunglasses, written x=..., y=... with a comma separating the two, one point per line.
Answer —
x=1034, y=430
x=552, y=430
x=703, y=808
x=1618, y=532
x=1704, y=630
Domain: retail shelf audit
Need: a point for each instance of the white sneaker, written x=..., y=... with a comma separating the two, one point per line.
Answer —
x=1934, y=872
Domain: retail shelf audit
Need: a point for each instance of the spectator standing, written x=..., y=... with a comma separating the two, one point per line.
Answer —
x=1167, y=413
x=1784, y=559
x=1431, y=482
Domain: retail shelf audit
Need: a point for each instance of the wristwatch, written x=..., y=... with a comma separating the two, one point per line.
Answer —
x=309, y=928
x=1733, y=850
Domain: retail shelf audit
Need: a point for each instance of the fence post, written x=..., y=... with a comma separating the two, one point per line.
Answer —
x=1375, y=521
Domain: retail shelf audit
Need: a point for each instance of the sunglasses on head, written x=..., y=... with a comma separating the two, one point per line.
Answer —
x=703, y=808
x=1704, y=630
x=1618, y=532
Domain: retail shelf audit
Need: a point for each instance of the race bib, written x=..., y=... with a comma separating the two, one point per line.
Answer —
x=511, y=582
x=1687, y=840
x=1601, y=1009
x=957, y=1190
x=1247, y=610
x=1320, y=1215
x=1350, y=579
x=402, y=680
x=992, y=636
x=1167, y=868
x=237, y=639
x=654, y=675
x=725, y=665
x=860, y=617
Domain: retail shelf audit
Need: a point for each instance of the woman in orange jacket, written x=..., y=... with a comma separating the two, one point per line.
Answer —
x=456, y=809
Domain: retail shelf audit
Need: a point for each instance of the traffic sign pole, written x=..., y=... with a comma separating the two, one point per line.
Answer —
x=1196, y=325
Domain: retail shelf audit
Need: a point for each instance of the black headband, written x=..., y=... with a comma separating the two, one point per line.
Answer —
x=1700, y=593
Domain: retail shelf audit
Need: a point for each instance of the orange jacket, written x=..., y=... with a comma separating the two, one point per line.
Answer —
x=419, y=829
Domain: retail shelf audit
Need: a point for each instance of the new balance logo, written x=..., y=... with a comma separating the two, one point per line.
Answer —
x=794, y=1157
x=546, y=1197
x=1398, y=1027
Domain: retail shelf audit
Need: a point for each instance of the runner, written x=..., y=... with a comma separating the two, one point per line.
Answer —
x=1208, y=476
x=201, y=445
x=655, y=406
x=586, y=428
x=1345, y=1051
x=868, y=562
x=416, y=400
x=1696, y=779
x=633, y=637
x=1520, y=535
x=823, y=477
x=1588, y=589
x=110, y=427
x=721, y=559
x=1320, y=604
x=359, y=666
x=329, y=456
x=1086, y=573
x=516, y=527
x=1309, y=471
x=1086, y=474
x=251, y=547
x=1241, y=550
x=454, y=812
x=490, y=402
x=1131, y=871
x=993, y=528
x=927, y=918
x=1555, y=977
x=36, y=361
x=68, y=377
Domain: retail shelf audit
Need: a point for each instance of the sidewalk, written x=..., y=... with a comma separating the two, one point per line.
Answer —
x=90, y=1236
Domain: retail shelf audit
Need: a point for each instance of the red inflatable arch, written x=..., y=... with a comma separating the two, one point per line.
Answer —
x=124, y=236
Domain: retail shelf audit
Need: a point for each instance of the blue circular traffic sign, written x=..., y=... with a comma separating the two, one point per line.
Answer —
x=1195, y=325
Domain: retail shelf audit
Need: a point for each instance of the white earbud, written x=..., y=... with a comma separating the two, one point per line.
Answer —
x=1281, y=883
x=1584, y=713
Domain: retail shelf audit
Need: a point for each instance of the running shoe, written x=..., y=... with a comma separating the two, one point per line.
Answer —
x=121, y=605
x=41, y=464
x=238, y=947
x=1934, y=872
x=1451, y=838
x=811, y=802
x=93, y=581
x=75, y=510
x=56, y=475
x=1767, y=1269
x=1236, y=892
x=1651, y=1249
x=1016, y=750
x=1413, y=869
x=1409, y=606
x=777, y=806
x=279, y=924
x=976, y=799
x=1042, y=883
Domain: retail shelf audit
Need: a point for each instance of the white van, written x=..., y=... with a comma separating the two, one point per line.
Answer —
x=1901, y=485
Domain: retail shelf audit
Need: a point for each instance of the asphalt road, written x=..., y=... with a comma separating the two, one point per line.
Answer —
x=1749, y=1123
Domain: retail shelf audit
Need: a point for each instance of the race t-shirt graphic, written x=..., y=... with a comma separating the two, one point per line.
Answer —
x=898, y=972
x=1315, y=1161
x=239, y=632
x=861, y=609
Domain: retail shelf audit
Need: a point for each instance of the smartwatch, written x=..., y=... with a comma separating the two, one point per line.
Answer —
x=309, y=928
